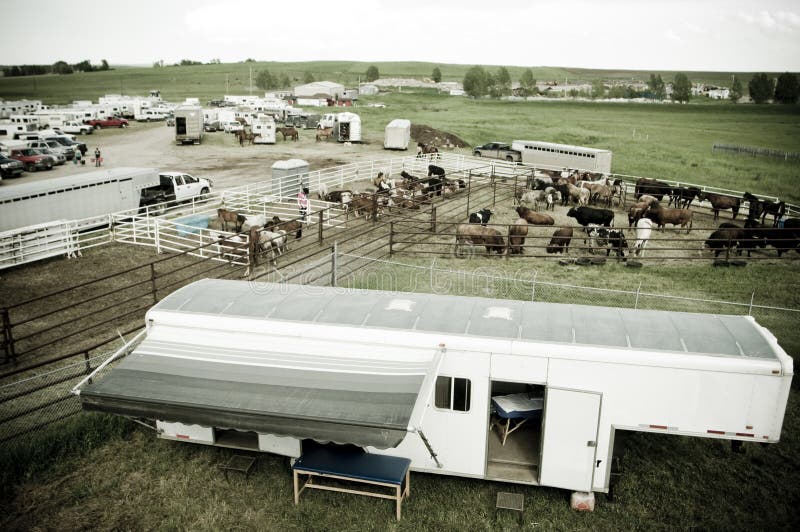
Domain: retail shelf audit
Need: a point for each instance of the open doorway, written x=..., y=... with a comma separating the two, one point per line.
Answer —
x=517, y=458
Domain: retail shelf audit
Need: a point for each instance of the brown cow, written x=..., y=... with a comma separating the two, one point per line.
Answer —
x=534, y=218
x=478, y=235
x=516, y=236
x=662, y=216
x=636, y=212
x=560, y=241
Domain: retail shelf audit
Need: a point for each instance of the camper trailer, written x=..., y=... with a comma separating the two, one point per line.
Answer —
x=188, y=124
x=397, y=135
x=506, y=390
x=347, y=127
x=264, y=129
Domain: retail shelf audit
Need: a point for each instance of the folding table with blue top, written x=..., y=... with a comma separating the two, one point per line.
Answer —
x=515, y=409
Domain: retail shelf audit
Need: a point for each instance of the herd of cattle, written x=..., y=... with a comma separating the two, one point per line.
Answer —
x=589, y=199
x=582, y=193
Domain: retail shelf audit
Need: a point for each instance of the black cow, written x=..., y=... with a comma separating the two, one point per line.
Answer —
x=609, y=239
x=682, y=197
x=591, y=215
x=481, y=217
x=433, y=185
x=435, y=170
x=657, y=189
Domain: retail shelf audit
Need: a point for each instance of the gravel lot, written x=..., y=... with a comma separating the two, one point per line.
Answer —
x=219, y=157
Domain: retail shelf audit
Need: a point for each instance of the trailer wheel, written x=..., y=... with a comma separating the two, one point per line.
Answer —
x=509, y=158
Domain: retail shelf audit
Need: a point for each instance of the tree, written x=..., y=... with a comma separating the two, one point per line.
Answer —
x=598, y=89
x=83, y=66
x=372, y=73
x=265, y=80
x=503, y=79
x=761, y=88
x=787, y=89
x=658, y=89
x=436, y=75
x=527, y=82
x=735, y=92
x=61, y=67
x=285, y=82
x=475, y=82
x=681, y=88
x=308, y=77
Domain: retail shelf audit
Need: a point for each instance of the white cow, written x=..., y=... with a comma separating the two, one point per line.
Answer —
x=643, y=229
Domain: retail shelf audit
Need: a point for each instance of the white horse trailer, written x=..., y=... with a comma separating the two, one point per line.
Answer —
x=539, y=153
x=397, y=134
x=431, y=378
x=76, y=197
x=188, y=124
x=264, y=129
x=347, y=127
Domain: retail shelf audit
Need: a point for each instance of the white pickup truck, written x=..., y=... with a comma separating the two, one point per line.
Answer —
x=75, y=128
x=498, y=150
x=175, y=187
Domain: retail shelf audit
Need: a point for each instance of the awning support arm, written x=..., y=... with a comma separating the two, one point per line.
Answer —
x=124, y=350
x=430, y=449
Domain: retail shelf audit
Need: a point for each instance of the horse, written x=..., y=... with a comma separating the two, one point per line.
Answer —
x=230, y=216
x=288, y=132
x=324, y=133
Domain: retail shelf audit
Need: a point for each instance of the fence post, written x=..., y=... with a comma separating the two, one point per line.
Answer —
x=374, y=208
x=319, y=226
x=752, y=297
x=469, y=190
x=494, y=191
x=334, y=266
x=638, y=289
x=391, y=238
x=533, y=287
x=8, y=338
x=153, y=288
x=433, y=218
x=157, y=226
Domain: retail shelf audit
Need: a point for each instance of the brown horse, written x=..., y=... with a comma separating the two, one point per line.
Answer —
x=324, y=133
x=230, y=216
x=721, y=202
x=288, y=132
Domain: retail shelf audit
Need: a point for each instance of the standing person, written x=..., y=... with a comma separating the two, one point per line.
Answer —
x=97, y=158
x=77, y=159
x=302, y=203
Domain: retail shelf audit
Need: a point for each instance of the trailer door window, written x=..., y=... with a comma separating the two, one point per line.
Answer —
x=453, y=393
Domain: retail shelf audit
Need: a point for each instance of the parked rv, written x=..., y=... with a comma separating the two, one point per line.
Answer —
x=188, y=124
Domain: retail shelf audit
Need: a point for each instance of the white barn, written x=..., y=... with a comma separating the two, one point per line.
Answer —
x=317, y=88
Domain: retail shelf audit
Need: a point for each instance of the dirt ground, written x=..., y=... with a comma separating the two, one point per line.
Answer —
x=219, y=157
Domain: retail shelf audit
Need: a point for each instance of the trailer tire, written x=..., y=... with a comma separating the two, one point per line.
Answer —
x=509, y=158
x=476, y=154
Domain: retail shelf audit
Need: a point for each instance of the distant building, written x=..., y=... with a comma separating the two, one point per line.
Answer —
x=719, y=93
x=368, y=89
x=317, y=89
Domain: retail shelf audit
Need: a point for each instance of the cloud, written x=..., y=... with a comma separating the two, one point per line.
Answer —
x=672, y=36
x=778, y=21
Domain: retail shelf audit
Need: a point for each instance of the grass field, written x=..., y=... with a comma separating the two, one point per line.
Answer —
x=100, y=474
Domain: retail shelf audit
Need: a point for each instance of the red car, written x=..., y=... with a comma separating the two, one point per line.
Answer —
x=99, y=123
x=32, y=159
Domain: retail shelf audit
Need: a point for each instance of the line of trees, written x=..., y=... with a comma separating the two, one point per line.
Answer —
x=59, y=67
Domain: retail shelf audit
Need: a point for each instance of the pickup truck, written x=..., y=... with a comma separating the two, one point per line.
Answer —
x=76, y=128
x=32, y=159
x=497, y=150
x=113, y=121
x=175, y=187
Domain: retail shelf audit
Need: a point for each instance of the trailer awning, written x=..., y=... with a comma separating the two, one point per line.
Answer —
x=318, y=394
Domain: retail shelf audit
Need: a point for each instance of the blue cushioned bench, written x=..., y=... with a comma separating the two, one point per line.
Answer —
x=375, y=469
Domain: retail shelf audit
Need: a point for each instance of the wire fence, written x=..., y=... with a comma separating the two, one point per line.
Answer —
x=754, y=151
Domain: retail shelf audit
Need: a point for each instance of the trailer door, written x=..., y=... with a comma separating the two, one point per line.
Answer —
x=570, y=439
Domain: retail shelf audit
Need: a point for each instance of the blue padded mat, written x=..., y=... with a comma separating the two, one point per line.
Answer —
x=517, y=406
x=357, y=465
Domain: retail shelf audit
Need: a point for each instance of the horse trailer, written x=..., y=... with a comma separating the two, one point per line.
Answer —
x=397, y=135
x=77, y=197
x=347, y=127
x=539, y=153
x=264, y=129
x=188, y=124
x=505, y=390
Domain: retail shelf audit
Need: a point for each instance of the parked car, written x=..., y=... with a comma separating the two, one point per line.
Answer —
x=32, y=159
x=53, y=145
x=10, y=167
x=176, y=187
x=59, y=158
x=66, y=141
x=232, y=127
x=113, y=121
x=75, y=127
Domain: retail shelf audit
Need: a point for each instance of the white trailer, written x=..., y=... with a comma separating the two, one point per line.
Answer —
x=538, y=153
x=397, y=134
x=347, y=127
x=188, y=124
x=264, y=129
x=75, y=197
x=266, y=367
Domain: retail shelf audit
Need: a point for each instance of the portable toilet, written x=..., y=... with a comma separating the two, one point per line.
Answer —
x=398, y=135
x=264, y=129
x=288, y=177
x=347, y=127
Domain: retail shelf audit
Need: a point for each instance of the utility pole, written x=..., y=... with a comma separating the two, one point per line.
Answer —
x=226, y=84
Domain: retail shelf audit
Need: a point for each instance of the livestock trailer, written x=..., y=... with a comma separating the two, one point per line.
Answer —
x=397, y=134
x=347, y=127
x=442, y=380
x=264, y=129
x=540, y=153
x=76, y=197
x=188, y=124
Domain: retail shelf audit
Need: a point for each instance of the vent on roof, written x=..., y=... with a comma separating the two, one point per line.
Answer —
x=502, y=313
x=406, y=305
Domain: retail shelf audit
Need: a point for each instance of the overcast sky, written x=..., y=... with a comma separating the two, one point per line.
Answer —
x=689, y=35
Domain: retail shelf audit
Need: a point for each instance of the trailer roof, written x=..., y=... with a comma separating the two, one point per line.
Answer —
x=652, y=330
x=553, y=145
x=46, y=185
